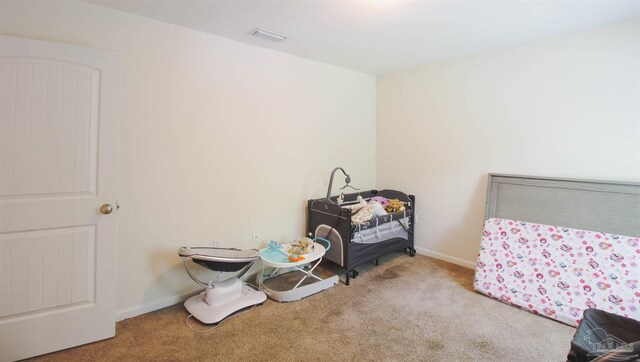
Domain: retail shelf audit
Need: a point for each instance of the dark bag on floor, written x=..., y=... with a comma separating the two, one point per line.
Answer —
x=599, y=333
x=630, y=353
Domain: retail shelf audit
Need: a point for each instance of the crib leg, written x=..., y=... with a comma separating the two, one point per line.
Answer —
x=412, y=251
x=350, y=274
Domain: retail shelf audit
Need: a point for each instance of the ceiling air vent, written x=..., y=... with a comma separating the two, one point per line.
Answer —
x=261, y=33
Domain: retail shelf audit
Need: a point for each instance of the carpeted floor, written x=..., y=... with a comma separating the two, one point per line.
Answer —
x=405, y=309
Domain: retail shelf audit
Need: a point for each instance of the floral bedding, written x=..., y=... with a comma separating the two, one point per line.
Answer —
x=559, y=272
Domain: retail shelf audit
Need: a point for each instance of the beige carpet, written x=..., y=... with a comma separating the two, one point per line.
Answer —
x=405, y=309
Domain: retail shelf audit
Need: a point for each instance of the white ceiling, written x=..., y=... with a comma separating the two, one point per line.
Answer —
x=381, y=36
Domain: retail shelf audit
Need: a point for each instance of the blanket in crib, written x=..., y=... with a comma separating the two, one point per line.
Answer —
x=559, y=272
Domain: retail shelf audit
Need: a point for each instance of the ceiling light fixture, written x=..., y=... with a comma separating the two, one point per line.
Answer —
x=261, y=33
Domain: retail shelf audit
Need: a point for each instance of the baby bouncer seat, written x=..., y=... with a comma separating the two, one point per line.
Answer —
x=221, y=297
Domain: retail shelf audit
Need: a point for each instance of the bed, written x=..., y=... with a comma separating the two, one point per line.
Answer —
x=556, y=247
x=356, y=243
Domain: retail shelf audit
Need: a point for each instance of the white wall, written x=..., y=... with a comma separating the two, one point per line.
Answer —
x=211, y=128
x=567, y=107
x=217, y=138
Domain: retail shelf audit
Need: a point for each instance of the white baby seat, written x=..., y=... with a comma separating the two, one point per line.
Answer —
x=277, y=256
x=221, y=298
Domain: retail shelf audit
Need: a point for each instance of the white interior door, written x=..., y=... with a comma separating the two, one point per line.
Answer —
x=58, y=135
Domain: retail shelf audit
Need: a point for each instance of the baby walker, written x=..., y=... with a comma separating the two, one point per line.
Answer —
x=221, y=298
x=299, y=255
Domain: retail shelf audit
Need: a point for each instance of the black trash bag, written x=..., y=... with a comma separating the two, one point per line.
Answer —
x=628, y=353
x=600, y=333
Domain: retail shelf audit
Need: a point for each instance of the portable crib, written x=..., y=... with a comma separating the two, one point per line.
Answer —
x=355, y=244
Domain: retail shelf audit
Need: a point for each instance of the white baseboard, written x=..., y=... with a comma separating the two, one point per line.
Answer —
x=448, y=258
x=152, y=306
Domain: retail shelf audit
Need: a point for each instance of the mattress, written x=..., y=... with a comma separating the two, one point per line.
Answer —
x=559, y=272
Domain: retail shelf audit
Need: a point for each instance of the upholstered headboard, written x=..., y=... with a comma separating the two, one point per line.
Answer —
x=612, y=207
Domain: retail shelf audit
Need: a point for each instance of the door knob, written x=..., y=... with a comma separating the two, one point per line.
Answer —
x=106, y=209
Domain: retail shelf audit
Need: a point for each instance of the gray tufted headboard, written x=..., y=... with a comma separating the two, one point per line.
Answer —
x=607, y=206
